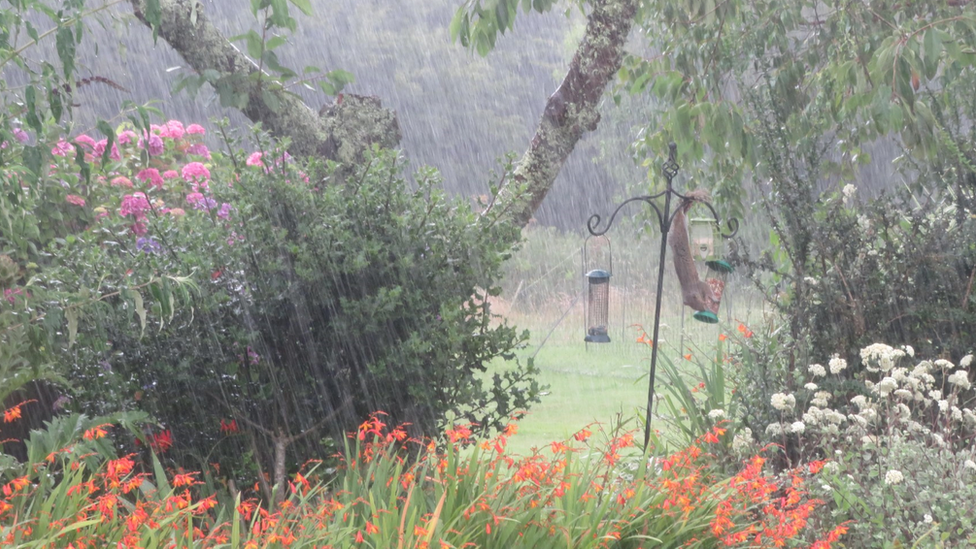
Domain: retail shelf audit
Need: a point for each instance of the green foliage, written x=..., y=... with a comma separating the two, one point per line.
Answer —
x=391, y=491
x=896, y=435
x=293, y=310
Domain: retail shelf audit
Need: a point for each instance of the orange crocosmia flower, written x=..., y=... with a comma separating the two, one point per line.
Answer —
x=722, y=337
x=511, y=429
x=96, y=432
x=688, y=356
x=582, y=435
x=160, y=442
x=816, y=466
x=359, y=536
x=557, y=447
x=372, y=528
x=184, y=479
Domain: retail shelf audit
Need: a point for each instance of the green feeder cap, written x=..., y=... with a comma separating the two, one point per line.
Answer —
x=598, y=274
x=719, y=265
x=707, y=317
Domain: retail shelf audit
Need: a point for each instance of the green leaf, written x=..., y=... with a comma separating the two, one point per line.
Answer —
x=65, y=44
x=31, y=116
x=275, y=42
x=82, y=165
x=140, y=308
x=71, y=315
x=304, y=5
x=154, y=16
x=109, y=134
x=270, y=100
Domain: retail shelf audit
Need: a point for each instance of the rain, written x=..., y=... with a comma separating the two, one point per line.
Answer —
x=520, y=263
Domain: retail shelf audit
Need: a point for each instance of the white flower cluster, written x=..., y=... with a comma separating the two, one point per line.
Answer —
x=783, y=402
x=716, y=414
x=881, y=357
x=960, y=378
x=837, y=365
x=818, y=370
x=894, y=476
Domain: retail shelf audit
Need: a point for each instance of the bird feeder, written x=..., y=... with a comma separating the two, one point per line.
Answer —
x=598, y=306
x=708, y=247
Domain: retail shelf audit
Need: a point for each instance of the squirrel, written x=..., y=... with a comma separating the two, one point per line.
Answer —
x=696, y=293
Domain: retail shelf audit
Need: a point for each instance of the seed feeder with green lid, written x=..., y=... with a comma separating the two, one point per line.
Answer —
x=708, y=247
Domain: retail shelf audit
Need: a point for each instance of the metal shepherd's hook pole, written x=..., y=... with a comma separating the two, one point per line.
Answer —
x=670, y=169
x=665, y=217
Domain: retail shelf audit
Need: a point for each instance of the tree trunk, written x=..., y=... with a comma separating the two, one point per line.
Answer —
x=572, y=109
x=342, y=133
x=353, y=124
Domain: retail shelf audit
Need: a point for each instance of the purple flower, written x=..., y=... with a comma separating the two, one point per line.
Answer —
x=148, y=245
x=156, y=146
x=199, y=149
x=224, y=212
x=21, y=135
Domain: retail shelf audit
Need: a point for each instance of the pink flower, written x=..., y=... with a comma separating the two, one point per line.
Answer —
x=175, y=129
x=199, y=149
x=196, y=129
x=86, y=140
x=170, y=174
x=100, y=148
x=139, y=228
x=75, y=199
x=177, y=212
x=21, y=135
x=224, y=212
x=62, y=148
x=156, y=146
x=134, y=204
x=152, y=176
x=126, y=137
x=196, y=173
x=255, y=159
x=10, y=294
x=193, y=198
x=122, y=181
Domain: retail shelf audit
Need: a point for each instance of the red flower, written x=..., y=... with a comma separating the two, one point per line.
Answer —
x=229, y=427
x=160, y=442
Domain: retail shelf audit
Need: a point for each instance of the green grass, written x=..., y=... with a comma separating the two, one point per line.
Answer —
x=602, y=384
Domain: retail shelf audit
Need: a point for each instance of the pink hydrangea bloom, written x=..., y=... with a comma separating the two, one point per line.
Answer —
x=199, y=149
x=126, y=137
x=174, y=129
x=75, y=199
x=21, y=135
x=85, y=140
x=139, y=228
x=196, y=172
x=100, y=148
x=255, y=159
x=134, y=204
x=156, y=146
x=193, y=198
x=152, y=176
x=170, y=174
x=122, y=181
x=196, y=129
x=62, y=148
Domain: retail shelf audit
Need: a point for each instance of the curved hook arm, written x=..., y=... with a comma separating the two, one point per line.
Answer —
x=594, y=221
